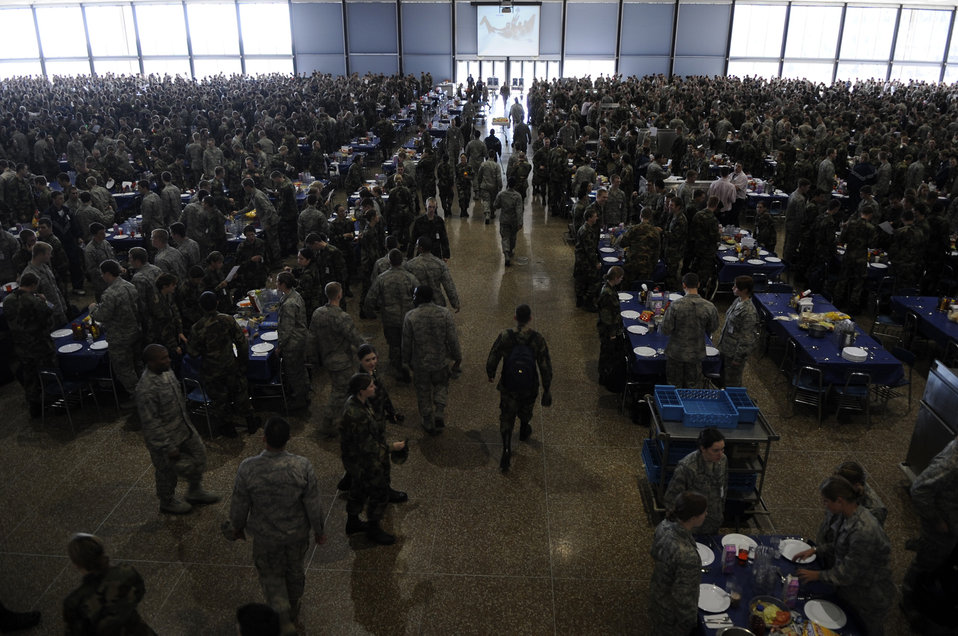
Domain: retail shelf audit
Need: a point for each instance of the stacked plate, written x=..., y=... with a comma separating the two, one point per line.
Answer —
x=625, y=296
x=610, y=259
x=854, y=354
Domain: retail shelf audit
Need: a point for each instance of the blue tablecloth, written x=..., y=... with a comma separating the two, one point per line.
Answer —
x=823, y=353
x=743, y=576
x=655, y=365
x=727, y=271
x=365, y=145
x=932, y=323
x=83, y=361
x=262, y=367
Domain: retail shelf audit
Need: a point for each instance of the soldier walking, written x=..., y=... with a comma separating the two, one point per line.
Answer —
x=292, y=341
x=510, y=220
x=391, y=295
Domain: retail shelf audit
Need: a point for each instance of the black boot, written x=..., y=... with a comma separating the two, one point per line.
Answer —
x=253, y=422
x=354, y=524
x=525, y=431
x=378, y=535
x=506, y=452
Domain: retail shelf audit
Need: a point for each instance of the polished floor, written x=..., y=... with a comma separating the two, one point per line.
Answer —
x=559, y=545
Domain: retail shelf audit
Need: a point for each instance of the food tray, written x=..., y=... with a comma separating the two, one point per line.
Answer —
x=707, y=407
x=668, y=402
x=747, y=411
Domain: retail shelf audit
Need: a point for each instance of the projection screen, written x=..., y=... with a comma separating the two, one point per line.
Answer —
x=513, y=34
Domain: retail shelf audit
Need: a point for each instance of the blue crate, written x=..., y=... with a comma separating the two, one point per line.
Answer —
x=668, y=402
x=653, y=466
x=747, y=411
x=677, y=450
x=707, y=407
x=742, y=481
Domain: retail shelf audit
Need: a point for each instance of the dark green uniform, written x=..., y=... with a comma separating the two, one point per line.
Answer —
x=446, y=178
x=513, y=404
x=365, y=456
x=464, y=176
x=223, y=373
x=643, y=244
x=586, y=268
x=703, y=239
x=252, y=274
x=30, y=321
x=858, y=236
x=106, y=604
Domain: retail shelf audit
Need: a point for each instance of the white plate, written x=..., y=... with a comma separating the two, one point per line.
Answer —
x=674, y=296
x=755, y=261
x=763, y=252
x=625, y=296
x=262, y=347
x=854, y=354
x=269, y=336
x=608, y=250
x=639, y=329
x=791, y=547
x=705, y=553
x=729, y=259
x=610, y=259
x=772, y=259
x=712, y=598
x=724, y=247
x=739, y=541
x=630, y=313
x=99, y=345
x=70, y=348
x=61, y=333
x=11, y=286
x=821, y=612
x=645, y=352
x=878, y=265
x=711, y=351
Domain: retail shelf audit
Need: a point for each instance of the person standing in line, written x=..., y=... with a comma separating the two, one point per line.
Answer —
x=522, y=350
x=739, y=333
x=687, y=320
x=176, y=449
x=510, y=220
x=291, y=341
x=276, y=496
x=118, y=310
x=30, y=321
x=391, y=296
x=609, y=325
x=706, y=471
x=677, y=570
x=587, y=265
x=106, y=602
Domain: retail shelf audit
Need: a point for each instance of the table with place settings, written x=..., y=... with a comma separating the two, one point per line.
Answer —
x=732, y=265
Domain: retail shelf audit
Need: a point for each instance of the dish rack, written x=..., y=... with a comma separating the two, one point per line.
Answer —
x=696, y=408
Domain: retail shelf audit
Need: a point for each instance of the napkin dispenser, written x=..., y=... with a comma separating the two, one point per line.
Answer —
x=805, y=305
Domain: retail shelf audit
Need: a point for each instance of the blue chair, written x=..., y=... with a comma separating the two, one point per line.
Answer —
x=855, y=394
x=807, y=388
x=58, y=392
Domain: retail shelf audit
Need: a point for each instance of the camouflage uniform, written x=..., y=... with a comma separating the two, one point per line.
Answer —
x=287, y=212
x=676, y=575
x=151, y=207
x=703, y=239
x=490, y=183
x=616, y=208
x=429, y=341
x=511, y=404
x=310, y=288
x=464, y=175
x=687, y=320
x=586, y=268
x=190, y=250
x=106, y=604
x=510, y=220
x=188, y=300
x=292, y=340
x=118, y=311
x=609, y=326
x=391, y=295
x=643, y=244
x=446, y=179
x=858, y=236
x=172, y=262
x=276, y=497
x=223, y=373
x=50, y=290
x=519, y=170
x=907, y=252
x=9, y=247
x=794, y=222
x=30, y=321
x=335, y=339
x=330, y=266
x=676, y=239
x=167, y=324
x=738, y=339
x=709, y=478
x=171, y=198
x=312, y=219
x=87, y=214
x=193, y=218
x=167, y=427
x=765, y=232
x=252, y=274
x=268, y=220
x=365, y=457
x=399, y=214
x=558, y=181
x=144, y=280
x=859, y=568
x=95, y=253
x=431, y=271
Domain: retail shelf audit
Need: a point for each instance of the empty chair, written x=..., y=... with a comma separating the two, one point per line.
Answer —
x=58, y=392
x=855, y=395
x=806, y=388
x=885, y=393
x=760, y=282
x=885, y=326
x=102, y=380
x=273, y=389
x=198, y=401
x=912, y=337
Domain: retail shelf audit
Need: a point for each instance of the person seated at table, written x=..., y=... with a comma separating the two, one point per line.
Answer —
x=739, y=335
x=118, y=310
x=765, y=233
x=612, y=340
x=706, y=471
x=677, y=569
x=869, y=499
x=857, y=561
x=214, y=280
x=686, y=322
x=30, y=320
x=252, y=260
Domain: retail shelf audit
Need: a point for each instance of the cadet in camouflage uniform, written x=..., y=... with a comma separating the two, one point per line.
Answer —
x=94, y=253
x=426, y=173
x=609, y=325
x=857, y=561
x=616, y=208
x=251, y=257
x=464, y=175
x=30, y=321
x=795, y=221
x=858, y=236
x=519, y=170
x=287, y=212
x=519, y=401
x=39, y=266
x=934, y=494
x=266, y=213
x=642, y=244
x=559, y=174
x=429, y=342
x=312, y=219
x=587, y=265
x=276, y=496
x=151, y=208
x=293, y=337
x=214, y=337
x=119, y=312
x=739, y=333
x=765, y=232
x=176, y=449
x=106, y=601
x=906, y=252
x=446, y=179
x=391, y=295
x=399, y=211
x=168, y=259
x=511, y=204
x=86, y=215
x=676, y=237
x=705, y=471
x=308, y=284
x=143, y=276
x=335, y=340
x=433, y=272
x=489, y=177
x=541, y=166
x=703, y=241
x=677, y=574
x=687, y=320
x=365, y=456
x=168, y=326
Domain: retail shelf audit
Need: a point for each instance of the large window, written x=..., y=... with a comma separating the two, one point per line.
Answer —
x=852, y=71
x=19, y=39
x=581, y=68
x=213, y=29
x=68, y=67
x=162, y=29
x=818, y=72
x=61, y=32
x=748, y=68
x=918, y=72
x=21, y=68
x=757, y=30
x=922, y=36
x=111, y=31
x=116, y=67
x=207, y=66
x=813, y=32
x=868, y=33
x=177, y=66
x=266, y=29
x=263, y=66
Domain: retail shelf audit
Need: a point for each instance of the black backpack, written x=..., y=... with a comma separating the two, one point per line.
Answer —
x=519, y=373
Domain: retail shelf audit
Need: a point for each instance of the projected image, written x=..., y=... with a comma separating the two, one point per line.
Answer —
x=513, y=34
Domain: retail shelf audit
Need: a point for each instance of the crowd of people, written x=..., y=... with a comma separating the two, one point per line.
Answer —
x=235, y=146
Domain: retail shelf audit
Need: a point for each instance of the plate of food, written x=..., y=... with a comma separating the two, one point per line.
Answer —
x=773, y=612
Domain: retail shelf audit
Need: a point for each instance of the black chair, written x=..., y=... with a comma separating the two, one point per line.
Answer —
x=198, y=401
x=885, y=325
x=759, y=282
x=58, y=392
x=886, y=393
x=855, y=394
x=911, y=336
x=102, y=380
x=272, y=389
x=807, y=388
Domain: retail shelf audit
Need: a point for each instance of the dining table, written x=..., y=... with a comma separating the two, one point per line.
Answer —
x=816, y=601
x=933, y=323
x=732, y=264
x=782, y=320
x=648, y=342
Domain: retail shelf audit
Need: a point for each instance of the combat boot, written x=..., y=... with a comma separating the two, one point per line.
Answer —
x=506, y=452
x=376, y=534
x=253, y=422
x=354, y=524
x=525, y=431
x=196, y=495
x=174, y=506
